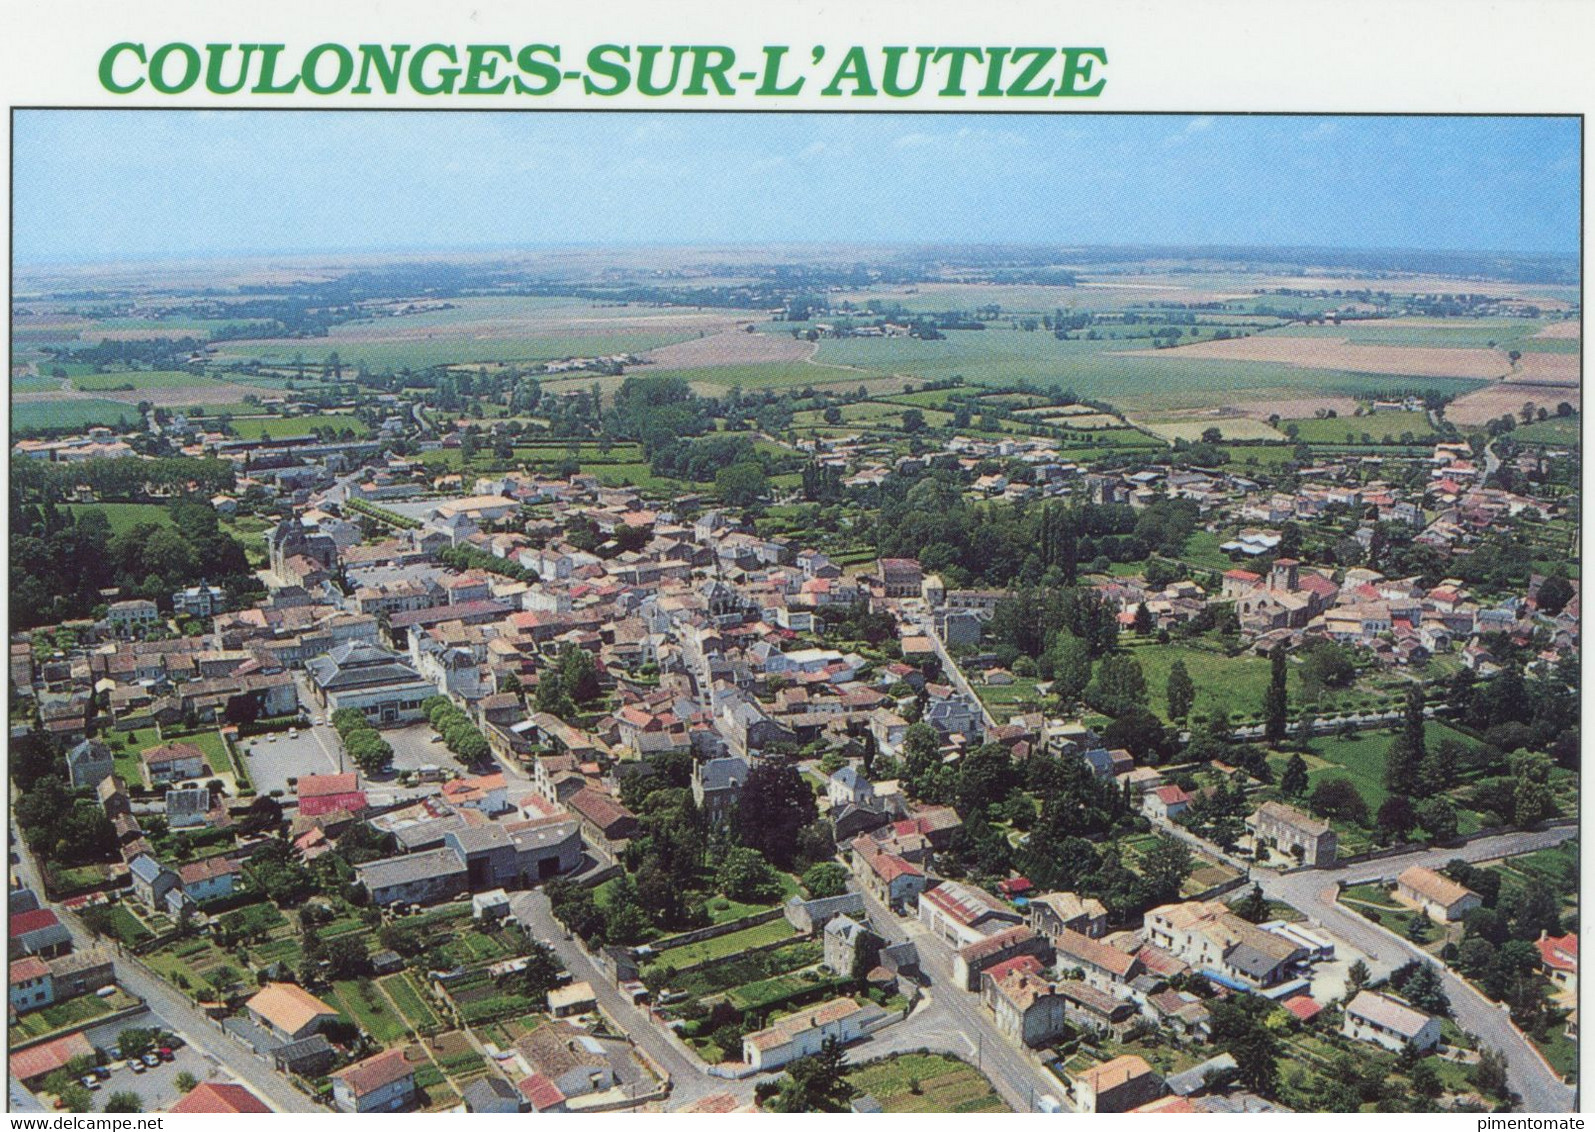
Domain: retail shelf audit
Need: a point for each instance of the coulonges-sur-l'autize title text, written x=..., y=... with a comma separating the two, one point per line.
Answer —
x=605, y=70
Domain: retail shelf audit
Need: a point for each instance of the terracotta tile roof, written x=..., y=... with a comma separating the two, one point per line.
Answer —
x=287, y=1006
x=320, y=785
x=374, y=1072
x=1559, y=952
x=1304, y=1007
x=47, y=1058
x=1112, y=1074
x=28, y=967
x=219, y=1097
x=1433, y=886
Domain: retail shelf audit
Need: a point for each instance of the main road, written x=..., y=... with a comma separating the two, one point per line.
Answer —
x=1316, y=891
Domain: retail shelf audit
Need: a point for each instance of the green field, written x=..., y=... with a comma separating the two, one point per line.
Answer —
x=275, y=427
x=140, y=379
x=724, y=945
x=1554, y=431
x=124, y=516
x=443, y=349
x=1103, y=370
x=411, y=1003
x=1472, y=333
x=360, y=1000
x=1230, y=428
x=73, y=414
x=1362, y=759
x=1336, y=430
x=764, y=375
x=926, y=1082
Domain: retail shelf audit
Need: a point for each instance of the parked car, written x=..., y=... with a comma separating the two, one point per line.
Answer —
x=151, y=1060
x=136, y=1066
x=165, y=1053
x=89, y=1081
x=114, y=1053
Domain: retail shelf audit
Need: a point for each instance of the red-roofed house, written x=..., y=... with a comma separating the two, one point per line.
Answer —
x=1559, y=957
x=212, y=1096
x=384, y=1083
x=328, y=793
x=542, y=1094
x=606, y=823
x=1166, y=802
x=35, y=1063
x=1304, y=1007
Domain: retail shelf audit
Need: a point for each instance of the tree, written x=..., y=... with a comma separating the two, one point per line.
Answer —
x=1253, y=906
x=1425, y=1080
x=1419, y=983
x=1396, y=817
x=264, y=815
x=124, y=1101
x=1293, y=783
x=1554, y=593
x=186, y=1082
x=1275, y=704
x=1143, y=623
x=913, y=421
x=741, y=485
x=1489, y=1073
x=774, y=806
x=347, y=957
x=744, y=875
x=986, y=776
x=136, y=1041
x=1181, y=691
x=1339, y=798
x=1405, y=757
x=1357, y=976
x=1438, y=818
x=1068, y=660
x=1120, y=685
x=541, y=973
x=1164, y=867
x=1238, y=1026
x=825, y=879
x=816, y=1083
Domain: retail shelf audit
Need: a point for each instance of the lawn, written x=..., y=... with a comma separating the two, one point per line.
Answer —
x=1362, y=759
x=123, y=517
x=724, y=945
x=1555, y=431
x=1235, y=684
x=926, y=1082
x=1230, y=428
x=361, y=1001
x=131, y=769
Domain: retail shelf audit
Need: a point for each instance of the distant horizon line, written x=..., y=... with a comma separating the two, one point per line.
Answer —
x=1236, y=250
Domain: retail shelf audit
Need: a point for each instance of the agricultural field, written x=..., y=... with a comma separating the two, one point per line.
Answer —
x=71, y=414
x=926, y=1082
x=276, y=427
x=1192, y=428
x=1556, y=432
x=139, y=379
x=1339, y=353
x=1351, y=429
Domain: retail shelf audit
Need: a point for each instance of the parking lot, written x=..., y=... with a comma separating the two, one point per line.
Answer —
x=274, y=760
x=157, y=1087
x=417, y=746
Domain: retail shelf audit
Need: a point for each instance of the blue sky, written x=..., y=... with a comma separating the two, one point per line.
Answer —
x=92, y=185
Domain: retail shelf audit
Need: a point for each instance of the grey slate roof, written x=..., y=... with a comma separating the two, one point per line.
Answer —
x=406, y=870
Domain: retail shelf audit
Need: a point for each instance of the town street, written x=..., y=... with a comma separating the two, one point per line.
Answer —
x=690, y=1080
x=1314, y=892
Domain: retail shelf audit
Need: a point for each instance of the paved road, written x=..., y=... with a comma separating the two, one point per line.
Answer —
x=953, y=1021
x=1314, y=892
x=689, y=1077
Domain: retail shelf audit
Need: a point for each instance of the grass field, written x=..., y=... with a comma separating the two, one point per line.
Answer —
x=1102, y=370
x=444, y=348
x=139, y=379
x=275, y=427
x=124, y=516
x=360, y=1000
x=724, y=945
x=1362, y=759
x=1336, y=430
x=72, y=414
x=1555, y=431
x=1230, y=428
x=926, y=1082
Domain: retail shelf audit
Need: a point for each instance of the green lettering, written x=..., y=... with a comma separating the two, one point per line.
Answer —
x=528, y=64
x=1038, y=58
x=191, y=68
x=388, y=71
x=854, y=68
x=1077, y=66
x=705, y=72
x=268, y=72
x=340, y=79
x=617, y=71
x=894, y=59
x=108, y=68
x=993, y=87
x=446, y=75
x=772, y=74
x=481, y=63
x=956, y=57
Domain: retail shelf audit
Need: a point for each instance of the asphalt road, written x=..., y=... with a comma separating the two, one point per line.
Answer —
x=1314, y=892
x=689, y=1078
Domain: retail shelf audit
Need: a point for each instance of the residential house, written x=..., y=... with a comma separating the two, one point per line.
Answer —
x=1439, y=897
x=308, y=1057
x=802, y=1034
x=1053, y=912
x=1221, y=945
x=716, y=786
x=1307, y=839
x=493, y=1094
x=1120, y=1085
x=384, y=1083
x=289, y=1011
x=888, y=877
x=849, y=945
x=1101, y=964
x=31, y=985
x=211, y=878
x=173, y=762
x=89, y=763
x=152, y=881
x=570, y=1058
x=211, y=1097
x=1378, y=1018
x=1559, y=961
x=974, y=959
